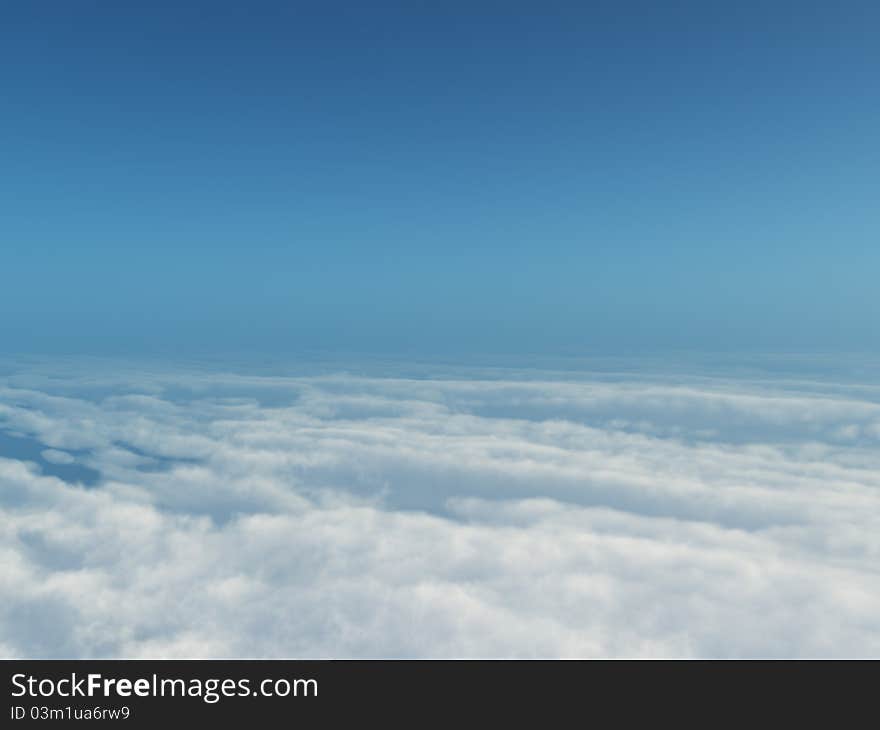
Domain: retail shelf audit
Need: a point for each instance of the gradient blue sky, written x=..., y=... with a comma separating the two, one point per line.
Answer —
x=439, y=177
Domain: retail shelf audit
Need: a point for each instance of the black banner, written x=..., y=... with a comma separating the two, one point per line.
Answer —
x=147, y=693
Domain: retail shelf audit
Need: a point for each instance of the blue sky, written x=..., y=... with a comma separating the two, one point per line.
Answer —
x=439, y=177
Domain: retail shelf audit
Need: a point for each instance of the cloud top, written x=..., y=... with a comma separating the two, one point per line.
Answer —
x=533, y=514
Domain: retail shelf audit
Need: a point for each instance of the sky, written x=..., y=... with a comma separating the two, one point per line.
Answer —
x=439, y=177
x=439, y=329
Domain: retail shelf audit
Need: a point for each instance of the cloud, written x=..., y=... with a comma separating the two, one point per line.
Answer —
x=54, y=456
x=464, y=514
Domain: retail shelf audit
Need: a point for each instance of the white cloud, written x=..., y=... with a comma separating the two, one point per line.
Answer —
x=525, y=515
x=54, y=456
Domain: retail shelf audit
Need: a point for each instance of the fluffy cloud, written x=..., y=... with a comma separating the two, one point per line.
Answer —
x=469, y=513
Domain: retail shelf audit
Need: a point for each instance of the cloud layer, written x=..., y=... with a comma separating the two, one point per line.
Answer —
x=462, y=514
